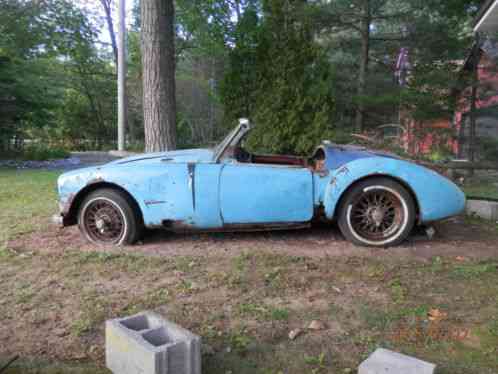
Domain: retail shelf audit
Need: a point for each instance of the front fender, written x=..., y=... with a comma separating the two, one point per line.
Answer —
x=436, y=196
x=157, y=189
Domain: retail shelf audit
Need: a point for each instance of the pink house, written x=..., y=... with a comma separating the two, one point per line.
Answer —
x=486, y=56
x=452, y=134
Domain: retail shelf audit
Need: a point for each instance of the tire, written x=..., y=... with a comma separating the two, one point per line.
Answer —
x=377, y=212
x=109, y=217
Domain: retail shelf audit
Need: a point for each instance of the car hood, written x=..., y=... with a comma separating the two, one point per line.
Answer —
x=186, y=155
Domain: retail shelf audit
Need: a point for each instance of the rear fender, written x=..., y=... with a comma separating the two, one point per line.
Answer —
x=436, y=196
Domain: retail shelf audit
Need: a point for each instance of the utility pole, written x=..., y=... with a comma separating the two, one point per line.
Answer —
x=122, y=99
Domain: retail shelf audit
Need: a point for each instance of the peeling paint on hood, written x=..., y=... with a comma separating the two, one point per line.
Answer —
x=186, y=155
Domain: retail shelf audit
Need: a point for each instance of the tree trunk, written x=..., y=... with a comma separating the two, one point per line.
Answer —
x=362, y=76
x=106, y=4
x=158, y=62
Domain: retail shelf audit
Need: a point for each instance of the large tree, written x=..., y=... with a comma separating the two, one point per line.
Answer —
x=158, y=63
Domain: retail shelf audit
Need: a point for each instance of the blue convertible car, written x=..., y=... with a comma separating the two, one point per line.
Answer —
x=375, y=198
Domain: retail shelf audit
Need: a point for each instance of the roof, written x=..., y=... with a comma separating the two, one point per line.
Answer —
x=487, y=18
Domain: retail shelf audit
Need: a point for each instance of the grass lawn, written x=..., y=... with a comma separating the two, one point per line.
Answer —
x=53, y=306
x=483, y=188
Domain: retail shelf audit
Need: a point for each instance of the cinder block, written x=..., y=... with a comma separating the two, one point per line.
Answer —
x=483, y=209
x=148, y=344
x=383, y=361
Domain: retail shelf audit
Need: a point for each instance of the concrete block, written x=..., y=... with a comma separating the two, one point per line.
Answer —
x=383, y=361
x=483, y=209
x=148, y=344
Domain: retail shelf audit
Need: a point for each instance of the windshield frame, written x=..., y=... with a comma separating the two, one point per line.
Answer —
x=232, y=139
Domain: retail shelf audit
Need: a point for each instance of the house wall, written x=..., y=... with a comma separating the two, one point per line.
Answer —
x=487, y=97
x=422, y=138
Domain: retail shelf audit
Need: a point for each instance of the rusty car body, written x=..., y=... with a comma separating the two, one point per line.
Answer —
x=376, y=198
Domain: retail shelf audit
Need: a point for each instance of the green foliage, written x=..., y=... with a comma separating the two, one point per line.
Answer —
x=470, y=271
x=40, y=152
x=290, y=66
x=280, y=78
x=53, y=79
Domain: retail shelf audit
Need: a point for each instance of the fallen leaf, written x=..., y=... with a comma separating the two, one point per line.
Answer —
x=316, y=325
x=295, y=333
x=436, y=315
x=460, y=258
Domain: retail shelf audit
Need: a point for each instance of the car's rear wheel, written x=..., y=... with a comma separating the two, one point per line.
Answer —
x=108, y=217
x=377, y=212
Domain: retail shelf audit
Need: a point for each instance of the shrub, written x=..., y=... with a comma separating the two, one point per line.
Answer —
x=40, y=152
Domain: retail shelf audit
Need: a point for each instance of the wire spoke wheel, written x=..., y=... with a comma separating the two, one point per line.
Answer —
x=104, y=221
x=377, y=215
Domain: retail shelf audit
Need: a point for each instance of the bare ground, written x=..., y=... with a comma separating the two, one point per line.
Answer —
x=244, y=292
x=455, y=237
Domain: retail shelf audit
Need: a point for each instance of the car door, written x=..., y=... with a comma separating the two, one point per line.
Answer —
x=265, y=194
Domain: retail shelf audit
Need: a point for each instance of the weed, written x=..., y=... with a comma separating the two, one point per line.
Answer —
x=469, y=271
x=279, y=314
x=151, y=300
x=241, y=261
x=437, y=265
x=24, y=295
x=398, y=291
x=262, y=312
x=240, y=340
x=376, y=319
x=377, y=271
x=186, y=264
x=94, y=257
x=273, y=277
x=317, y=361
x=81, y=326
x=4, y=252
x=254, y=310
x=93, y=311
x=493, y=327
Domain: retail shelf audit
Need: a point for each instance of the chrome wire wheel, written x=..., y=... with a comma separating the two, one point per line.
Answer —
x=377, y=212
x=377, y=215
x=104, y=221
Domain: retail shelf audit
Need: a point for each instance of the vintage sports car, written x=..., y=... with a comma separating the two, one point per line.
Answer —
x=375, y=198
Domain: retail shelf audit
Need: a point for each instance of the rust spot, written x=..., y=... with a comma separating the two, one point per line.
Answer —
x=343, y=170
x=177, y=224
x=67, y=205
x=95, y=180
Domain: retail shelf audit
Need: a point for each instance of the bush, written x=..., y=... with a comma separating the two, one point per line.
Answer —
x=43, y=153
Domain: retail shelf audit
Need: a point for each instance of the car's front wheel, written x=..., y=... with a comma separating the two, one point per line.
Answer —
x=377, y=212
x=108, y=217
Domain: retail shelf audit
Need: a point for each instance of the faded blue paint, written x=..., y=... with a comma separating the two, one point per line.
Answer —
x=253, y=194
x=207, y=187
x=186, y=155
x=190, y=189
x=339, y=155
x=436, y=196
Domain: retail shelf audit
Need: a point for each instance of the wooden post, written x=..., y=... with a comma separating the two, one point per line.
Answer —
x=122, y=110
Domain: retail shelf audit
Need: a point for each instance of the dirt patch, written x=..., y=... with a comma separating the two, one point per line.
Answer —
x=243, y=293
x=454, y=238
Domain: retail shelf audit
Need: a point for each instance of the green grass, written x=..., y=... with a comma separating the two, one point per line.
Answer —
x=27, y=200
x=482, y=189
